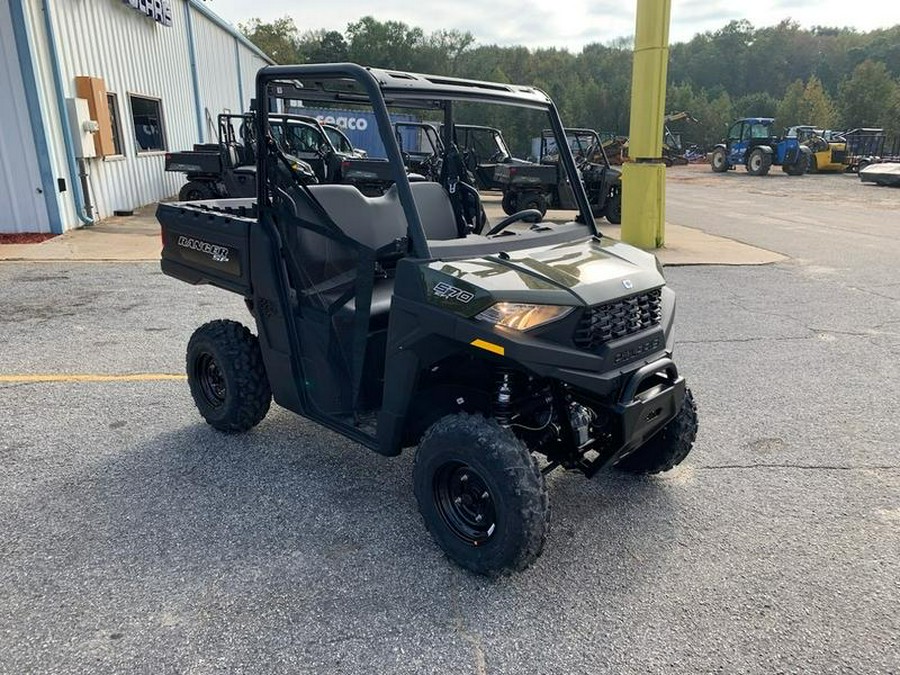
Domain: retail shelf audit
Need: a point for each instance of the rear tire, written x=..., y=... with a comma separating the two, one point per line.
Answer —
x=798, y=168
x=509, y=203
x=195, y=191
x=481, y=495
x=227, y=377
x=614, y=209
x=669, y=447
x=759, y=162
x=531, y=200
x=719, y=161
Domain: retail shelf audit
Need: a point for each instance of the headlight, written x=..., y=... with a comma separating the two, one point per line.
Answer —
x=522, y=316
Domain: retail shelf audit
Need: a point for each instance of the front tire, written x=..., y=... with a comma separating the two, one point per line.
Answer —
x=481, y=495
x=669, y=447
x=759, y=162
x=613, y=210
x=227, y=377
x=719, y=161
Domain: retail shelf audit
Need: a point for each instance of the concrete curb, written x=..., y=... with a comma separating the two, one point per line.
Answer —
x=136, y=239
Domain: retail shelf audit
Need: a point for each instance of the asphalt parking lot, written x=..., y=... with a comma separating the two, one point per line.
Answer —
x=137, y=539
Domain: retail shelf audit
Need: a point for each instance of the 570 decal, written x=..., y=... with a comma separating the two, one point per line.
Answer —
x=444, y=290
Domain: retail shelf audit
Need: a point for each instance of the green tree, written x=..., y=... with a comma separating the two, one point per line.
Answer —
x=807, y=104
x=442, y=50
x=791, y=109
x=280, y=38
x=385, y=44
x=323, y=46
x=866, y=97
x=817, y=105
x=758, y=104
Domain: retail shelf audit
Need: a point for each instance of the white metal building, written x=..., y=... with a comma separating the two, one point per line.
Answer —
x=108, y=86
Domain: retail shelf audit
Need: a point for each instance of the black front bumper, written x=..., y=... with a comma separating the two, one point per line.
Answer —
x=651, y=398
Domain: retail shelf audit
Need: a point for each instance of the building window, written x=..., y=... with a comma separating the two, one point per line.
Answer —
x=112, y=102
x=146, y=116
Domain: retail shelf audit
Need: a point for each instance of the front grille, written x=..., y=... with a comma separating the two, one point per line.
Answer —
x=598, y=325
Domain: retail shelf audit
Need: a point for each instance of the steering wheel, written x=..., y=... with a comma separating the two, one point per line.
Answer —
x=528, y=214
x=497, y=156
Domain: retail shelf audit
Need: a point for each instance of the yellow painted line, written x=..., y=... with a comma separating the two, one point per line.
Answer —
x=91, y=377
x=489, y=346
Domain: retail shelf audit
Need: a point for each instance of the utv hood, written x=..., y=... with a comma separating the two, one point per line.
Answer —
x=587, y=272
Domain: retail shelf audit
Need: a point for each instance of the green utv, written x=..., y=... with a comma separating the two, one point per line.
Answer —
x=502, y=351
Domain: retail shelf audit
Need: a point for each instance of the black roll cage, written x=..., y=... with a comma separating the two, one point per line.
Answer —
x=576, y=131
x=383, y=88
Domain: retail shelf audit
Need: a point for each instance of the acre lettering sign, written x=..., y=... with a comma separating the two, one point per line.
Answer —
x=158, y=10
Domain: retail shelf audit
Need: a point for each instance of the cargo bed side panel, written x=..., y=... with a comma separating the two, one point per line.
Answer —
x=202, y=247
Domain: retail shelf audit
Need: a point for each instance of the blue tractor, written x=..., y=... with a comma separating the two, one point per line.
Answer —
x=751, y=142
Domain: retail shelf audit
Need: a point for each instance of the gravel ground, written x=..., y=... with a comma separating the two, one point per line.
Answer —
x=137, y=539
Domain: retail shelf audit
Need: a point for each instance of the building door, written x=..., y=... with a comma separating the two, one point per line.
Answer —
x=24, y=205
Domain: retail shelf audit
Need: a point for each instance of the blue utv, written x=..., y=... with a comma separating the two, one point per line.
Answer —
x=751, y=142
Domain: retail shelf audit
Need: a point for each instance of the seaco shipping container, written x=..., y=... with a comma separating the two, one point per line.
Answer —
x=359, y=125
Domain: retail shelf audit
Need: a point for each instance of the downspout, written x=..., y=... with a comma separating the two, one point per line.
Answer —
x=74, y=179
x=194, y=76
x=237, y=60
x=32, y=101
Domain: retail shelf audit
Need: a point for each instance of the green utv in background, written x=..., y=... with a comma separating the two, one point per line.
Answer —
x=501, y=351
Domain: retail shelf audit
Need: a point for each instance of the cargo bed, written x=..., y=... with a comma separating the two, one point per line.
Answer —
x=208, y=242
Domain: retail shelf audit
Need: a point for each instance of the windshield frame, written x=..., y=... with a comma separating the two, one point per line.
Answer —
x=351, y=83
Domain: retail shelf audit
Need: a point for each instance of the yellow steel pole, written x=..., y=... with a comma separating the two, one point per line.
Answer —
x=644, y=178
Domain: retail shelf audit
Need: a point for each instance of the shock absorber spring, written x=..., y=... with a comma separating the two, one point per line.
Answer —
x=502, y=407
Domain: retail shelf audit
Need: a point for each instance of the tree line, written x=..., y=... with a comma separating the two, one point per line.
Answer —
x=834, y=78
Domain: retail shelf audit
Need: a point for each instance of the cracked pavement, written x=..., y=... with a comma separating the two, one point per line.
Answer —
x=136, y=539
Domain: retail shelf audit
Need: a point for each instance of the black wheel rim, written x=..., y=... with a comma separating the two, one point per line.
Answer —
x=212, y=382
x=464, y=502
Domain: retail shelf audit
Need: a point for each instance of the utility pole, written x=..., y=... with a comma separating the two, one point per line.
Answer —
x=644, y=178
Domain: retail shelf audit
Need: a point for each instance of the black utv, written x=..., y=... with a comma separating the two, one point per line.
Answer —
x=422, y=148
x=546, y=184
x=500, y=351
x=483, y=150
x=227, y=168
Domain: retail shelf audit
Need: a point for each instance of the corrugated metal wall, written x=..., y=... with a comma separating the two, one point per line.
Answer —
x=218, y=73
x=24, y=208
x=135, y=55
x=250, y=64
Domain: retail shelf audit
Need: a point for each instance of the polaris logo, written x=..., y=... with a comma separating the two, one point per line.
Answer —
x=217, y=253
x=445, y=290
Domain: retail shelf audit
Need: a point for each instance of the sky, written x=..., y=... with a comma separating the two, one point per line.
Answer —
x=561, y=23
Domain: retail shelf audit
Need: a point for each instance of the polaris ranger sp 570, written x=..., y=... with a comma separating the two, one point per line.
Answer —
x=501, y=351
